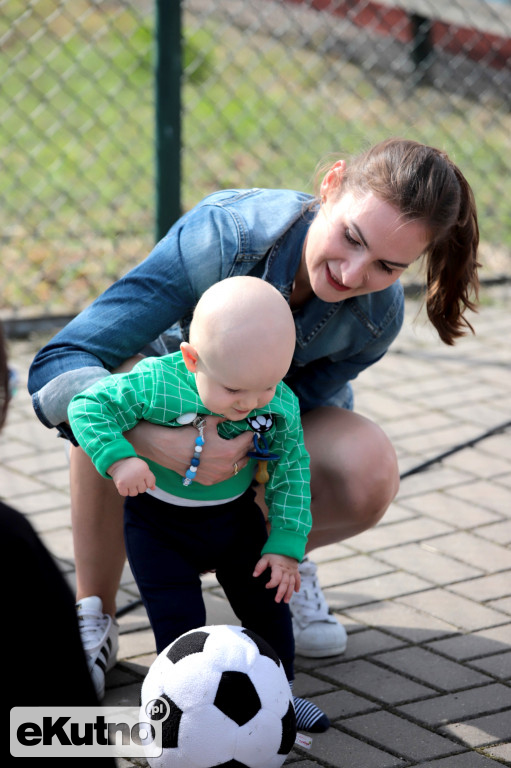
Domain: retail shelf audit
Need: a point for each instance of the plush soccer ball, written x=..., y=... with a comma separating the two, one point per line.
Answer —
x=227, y=701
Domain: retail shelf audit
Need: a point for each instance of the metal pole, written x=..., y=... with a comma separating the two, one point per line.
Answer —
x=422, y=47
x=168, y=114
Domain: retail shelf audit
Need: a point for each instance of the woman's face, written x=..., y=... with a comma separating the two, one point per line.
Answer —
x=357, y=245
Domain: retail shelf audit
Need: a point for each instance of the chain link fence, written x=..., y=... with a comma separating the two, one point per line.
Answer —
x=268, y=89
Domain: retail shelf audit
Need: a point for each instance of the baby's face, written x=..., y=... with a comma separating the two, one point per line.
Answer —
x=233, y=392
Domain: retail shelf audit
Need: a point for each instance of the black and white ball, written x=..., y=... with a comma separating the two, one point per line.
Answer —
x=228, y=701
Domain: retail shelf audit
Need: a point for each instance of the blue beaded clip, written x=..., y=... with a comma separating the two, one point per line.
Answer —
x=199, y=423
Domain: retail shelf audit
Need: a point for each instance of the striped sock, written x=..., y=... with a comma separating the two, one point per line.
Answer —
x=309, y=717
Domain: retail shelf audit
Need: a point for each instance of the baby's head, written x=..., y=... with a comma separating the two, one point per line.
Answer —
x=242, y=340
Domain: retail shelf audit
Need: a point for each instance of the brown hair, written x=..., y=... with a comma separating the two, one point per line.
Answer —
x=4, y=379
x=424, y=184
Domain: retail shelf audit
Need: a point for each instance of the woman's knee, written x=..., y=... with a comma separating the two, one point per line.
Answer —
x=354, y=469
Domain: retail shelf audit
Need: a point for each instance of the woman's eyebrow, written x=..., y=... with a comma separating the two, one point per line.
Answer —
x=396, y=264
x=359, y=234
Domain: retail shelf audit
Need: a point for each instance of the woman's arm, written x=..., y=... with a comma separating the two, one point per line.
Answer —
x=173, y=448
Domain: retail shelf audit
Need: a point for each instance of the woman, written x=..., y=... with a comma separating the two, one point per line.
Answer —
x=337, y=259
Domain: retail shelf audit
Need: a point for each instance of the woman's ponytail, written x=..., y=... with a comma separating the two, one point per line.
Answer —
x=452, y=279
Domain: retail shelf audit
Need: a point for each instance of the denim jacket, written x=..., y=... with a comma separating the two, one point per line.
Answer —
x=258, y=232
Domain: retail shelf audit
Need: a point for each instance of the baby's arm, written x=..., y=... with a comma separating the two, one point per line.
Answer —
x=284, y=575
x=131, y=476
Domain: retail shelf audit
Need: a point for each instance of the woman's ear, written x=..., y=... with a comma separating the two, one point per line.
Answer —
x=190, y=356
x=333, y=178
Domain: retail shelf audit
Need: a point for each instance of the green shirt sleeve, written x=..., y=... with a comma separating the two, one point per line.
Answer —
x=288, y=489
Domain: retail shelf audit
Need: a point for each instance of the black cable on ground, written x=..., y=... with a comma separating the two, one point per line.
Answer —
x=467, y=444
x=129, y=607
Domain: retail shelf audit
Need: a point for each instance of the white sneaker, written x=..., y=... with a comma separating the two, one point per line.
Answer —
x=100, y=640
x=317, y=633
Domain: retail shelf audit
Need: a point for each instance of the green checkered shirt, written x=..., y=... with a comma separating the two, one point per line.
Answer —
x=159, y=389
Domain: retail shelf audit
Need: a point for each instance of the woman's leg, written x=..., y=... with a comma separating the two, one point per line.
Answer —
x=97, y=521
x=354, y=478
x=97, y=517
x=354, y=474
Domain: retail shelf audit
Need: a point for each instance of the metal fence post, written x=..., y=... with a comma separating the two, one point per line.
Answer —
x=168, y=114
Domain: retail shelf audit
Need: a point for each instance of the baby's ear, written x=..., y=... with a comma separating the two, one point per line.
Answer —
x=190, y=356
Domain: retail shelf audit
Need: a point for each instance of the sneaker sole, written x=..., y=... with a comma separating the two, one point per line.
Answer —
x=319, y=653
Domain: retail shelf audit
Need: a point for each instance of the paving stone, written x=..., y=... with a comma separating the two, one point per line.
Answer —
x=124, y=696
x=498, y=665
x=492, y=496
x=479, y=463
x=340, y=704
x=429, y=668
x=422, y=560
x=402, y=620
x=435, y=478
x=373, y=589
x=464, y=614
x=482, y=731
x=486, y=587
x=15, y=485
x=43, y=501
x=368, y=642
x=500, y=752
x=469, y=646
x=431, y=444
x=459, y=706
x=467, y=547
x=464, y=760
x=382, y=537
x=41, y=462
x=503, y=604
x=52, y=520
x=500, y=533
x=446, y=507
x=338, y=750
x=380, y=684
x=340, y=572
x=401, y=736
x=59, y=542
x=136, y=643
x=308, y=686
x=336, y=551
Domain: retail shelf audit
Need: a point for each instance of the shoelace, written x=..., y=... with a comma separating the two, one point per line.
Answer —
x=310, y=601
x=92, y=626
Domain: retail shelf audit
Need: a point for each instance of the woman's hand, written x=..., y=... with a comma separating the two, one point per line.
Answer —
x=173, y=447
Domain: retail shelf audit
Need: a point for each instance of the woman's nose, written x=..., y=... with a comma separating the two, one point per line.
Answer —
x=354, y=272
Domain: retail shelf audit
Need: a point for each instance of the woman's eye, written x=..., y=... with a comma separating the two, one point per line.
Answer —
x=385, y=268
x=349, y=238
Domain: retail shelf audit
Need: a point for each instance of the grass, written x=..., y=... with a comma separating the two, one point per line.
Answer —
x=76, y=147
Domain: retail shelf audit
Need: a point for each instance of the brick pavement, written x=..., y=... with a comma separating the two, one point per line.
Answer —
x=425, y=596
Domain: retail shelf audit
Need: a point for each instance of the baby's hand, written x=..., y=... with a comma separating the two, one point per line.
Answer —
x=284, y=575
x=131, y=476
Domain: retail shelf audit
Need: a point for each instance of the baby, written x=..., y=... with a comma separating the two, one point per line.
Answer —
x=241, y=344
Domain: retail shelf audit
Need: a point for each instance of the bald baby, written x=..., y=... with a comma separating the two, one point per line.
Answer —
x=242, y=340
